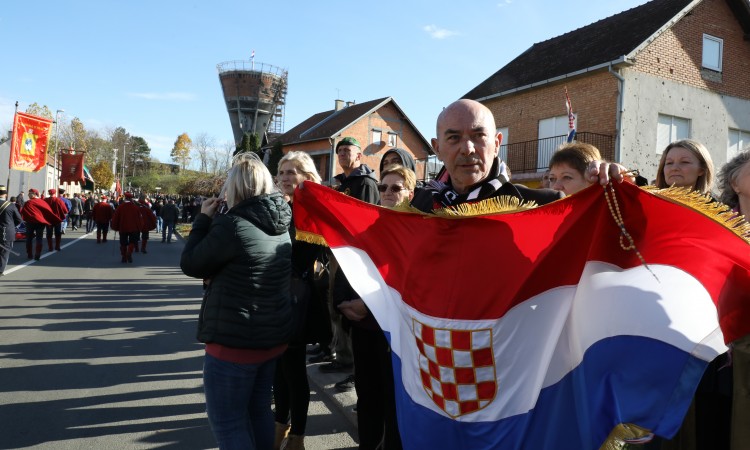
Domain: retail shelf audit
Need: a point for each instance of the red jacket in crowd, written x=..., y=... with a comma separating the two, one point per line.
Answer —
x=102, y=212
x=127, y=218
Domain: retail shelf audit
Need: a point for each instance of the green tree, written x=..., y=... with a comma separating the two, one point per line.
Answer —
x=250, y=143
x=277, y=153
x=79, y=135
x=138, y=154
x=103, y=176
x=181, y=151
x=41, y=111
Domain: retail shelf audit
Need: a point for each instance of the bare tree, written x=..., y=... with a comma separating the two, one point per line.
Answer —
x=203, y=145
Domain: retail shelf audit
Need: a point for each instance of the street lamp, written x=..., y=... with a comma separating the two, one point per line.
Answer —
x=57, y=136
x=122, y=183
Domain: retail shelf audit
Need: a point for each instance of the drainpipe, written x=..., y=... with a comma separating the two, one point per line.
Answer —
x=332, y=161
x=620, y=109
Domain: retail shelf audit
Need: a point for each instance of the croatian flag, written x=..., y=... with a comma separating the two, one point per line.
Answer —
x=571, y=118
x=536, y=329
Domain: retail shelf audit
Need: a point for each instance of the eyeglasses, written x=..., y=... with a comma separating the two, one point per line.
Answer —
x=395, y=188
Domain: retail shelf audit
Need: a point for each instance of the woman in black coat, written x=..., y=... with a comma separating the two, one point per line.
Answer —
x=244, y=258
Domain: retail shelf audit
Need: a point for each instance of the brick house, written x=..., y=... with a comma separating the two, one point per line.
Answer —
x=662, y=71
x=378, y=125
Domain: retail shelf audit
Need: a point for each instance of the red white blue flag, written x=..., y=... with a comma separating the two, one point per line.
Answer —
x=571, y=118
x=537, y=329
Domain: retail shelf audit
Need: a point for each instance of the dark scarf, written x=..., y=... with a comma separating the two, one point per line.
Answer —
x=444, y=195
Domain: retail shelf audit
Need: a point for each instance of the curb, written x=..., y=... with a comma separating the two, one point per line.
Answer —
x=325, y=384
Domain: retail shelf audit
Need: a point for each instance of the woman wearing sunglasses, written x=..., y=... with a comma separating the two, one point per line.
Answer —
x=396, y=186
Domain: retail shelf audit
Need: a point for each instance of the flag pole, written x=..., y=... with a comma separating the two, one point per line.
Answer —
x=10, y=151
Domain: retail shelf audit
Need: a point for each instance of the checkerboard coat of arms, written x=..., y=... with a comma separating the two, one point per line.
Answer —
x=457, y=367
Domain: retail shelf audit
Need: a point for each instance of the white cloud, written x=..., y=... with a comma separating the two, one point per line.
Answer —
x=177, y=96
x=504, y=3
x=439, y=33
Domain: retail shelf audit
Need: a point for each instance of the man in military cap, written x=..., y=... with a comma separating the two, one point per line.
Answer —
x=10, y=218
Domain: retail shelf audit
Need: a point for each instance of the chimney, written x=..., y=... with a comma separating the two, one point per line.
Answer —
x=339, y=105
x=348, y=104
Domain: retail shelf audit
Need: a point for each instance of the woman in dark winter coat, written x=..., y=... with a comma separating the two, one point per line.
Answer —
x=245, y=320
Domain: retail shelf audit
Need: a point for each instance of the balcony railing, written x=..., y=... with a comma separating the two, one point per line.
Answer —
x=534, y=156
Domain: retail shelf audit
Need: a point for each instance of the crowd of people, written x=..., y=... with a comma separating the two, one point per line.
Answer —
x=257, y=329
x=37, y=216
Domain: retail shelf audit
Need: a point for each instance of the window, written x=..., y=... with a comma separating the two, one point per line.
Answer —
x=670, y=129
x=392, y=140
x=504, y=144
x=377, y=136
x=552, y=133
x=713, y=48
x=738, y=139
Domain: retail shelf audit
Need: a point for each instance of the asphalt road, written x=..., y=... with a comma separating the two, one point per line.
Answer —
x=98, y=354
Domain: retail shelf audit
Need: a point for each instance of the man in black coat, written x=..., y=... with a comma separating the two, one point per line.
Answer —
x=9, y=219
x=357, y=180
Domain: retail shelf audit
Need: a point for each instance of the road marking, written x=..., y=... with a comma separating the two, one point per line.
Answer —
x=46, y=254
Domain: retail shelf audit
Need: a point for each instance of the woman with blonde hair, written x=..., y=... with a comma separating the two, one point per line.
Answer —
x=244, y=257
x=686, y=163
x=312, y=322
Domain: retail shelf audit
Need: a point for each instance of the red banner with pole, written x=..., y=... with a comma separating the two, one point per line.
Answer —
x=72, y=168
x=28, y=150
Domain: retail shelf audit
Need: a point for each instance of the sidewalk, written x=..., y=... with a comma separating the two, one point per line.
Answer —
x=324, y=383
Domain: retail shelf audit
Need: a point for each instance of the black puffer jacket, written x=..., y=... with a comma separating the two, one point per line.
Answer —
x=360, y=184
x=247, y=255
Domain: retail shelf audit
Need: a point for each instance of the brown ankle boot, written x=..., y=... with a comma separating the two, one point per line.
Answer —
x=294, y=442
x=282, y=430
x=38, y=253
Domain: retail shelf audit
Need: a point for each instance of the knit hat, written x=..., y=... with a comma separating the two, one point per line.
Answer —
x=128, y=195
x=60, y=190
x=3, y=190
x=104, y=196
x=33, y=191
x=51, y=191
x=348, y=141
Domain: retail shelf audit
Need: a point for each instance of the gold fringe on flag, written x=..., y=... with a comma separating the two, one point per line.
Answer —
x=312, y=238
x=621, y=433
x=706, y=205
x=502, y=204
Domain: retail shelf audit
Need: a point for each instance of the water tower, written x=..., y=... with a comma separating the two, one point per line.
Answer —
x=255, y=94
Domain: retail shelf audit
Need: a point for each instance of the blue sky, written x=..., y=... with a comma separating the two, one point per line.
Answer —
x=150, y=66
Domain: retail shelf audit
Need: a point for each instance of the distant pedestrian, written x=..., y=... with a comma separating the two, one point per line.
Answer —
x=60, y=208
x=76, y=211
x=148, y=221
x=127, y=221
x=38, y=215
x=101, y=215
x=170, y=214
x=10, y=218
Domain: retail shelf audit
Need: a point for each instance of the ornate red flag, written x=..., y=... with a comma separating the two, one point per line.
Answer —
x=28, y=151
x=72, y=168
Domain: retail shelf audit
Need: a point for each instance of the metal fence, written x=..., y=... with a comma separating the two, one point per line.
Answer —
x=534, y=156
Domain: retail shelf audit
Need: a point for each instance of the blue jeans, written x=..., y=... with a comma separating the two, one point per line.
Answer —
x=159, y=224
x=166, y=230
x=238, y=402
